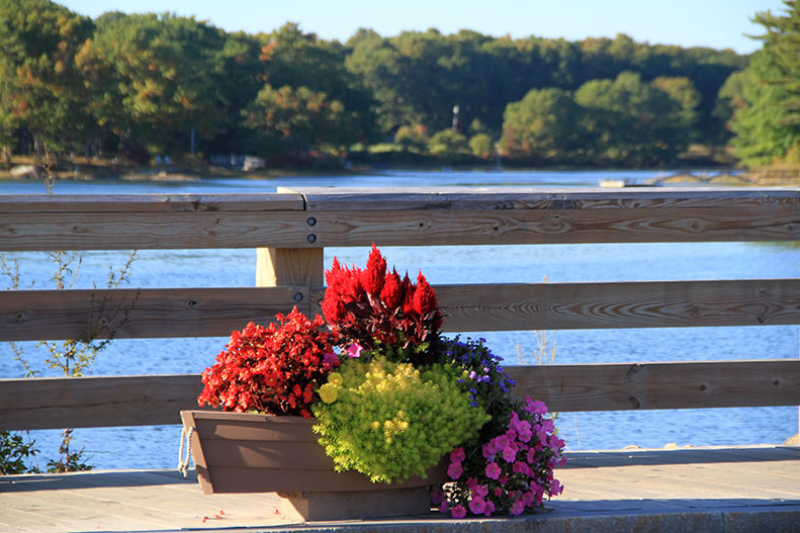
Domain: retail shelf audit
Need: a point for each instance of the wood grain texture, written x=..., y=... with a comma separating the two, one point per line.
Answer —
x=575, y=198
x=151, y=203
x=616, y=305
x=609, y=387
x=159, y=313
x=287, y=266
x=141, y=313
x=50, y=403
x=147, y=230
x=555, y=226
x=147, y=400
x=398, y=217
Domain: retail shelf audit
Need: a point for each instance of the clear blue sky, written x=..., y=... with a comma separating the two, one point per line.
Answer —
x=712, y=23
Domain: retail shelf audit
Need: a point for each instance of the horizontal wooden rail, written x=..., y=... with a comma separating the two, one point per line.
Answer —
x=617, y=305
x=685, y=385
x=309, y=218
x=141, y=313
x=49, y=403
x=156, y=313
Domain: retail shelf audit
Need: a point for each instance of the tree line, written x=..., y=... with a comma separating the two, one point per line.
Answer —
x=141, y=85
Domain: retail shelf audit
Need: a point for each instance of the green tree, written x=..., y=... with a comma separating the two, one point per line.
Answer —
x=156, y=78
x=412, y=137
x=449, y=145
x=310, y=100
x=289, y=121
x=40, y=88
x=542, y=127
x=766, y=121
x=481, y=146
x=631, y=122
x=240, y=79
x=683, y=111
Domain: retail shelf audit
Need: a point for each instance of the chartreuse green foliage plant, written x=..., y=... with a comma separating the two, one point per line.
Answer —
x=390, y=420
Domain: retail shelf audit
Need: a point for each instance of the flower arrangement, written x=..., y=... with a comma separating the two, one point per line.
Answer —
x=392, y=396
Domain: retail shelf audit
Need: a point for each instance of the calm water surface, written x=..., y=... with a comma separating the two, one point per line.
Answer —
x=156, y=447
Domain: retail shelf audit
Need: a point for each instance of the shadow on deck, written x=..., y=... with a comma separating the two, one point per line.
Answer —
x=752, y=488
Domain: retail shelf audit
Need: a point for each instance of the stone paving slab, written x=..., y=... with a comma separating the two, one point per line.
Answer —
x=689, y=489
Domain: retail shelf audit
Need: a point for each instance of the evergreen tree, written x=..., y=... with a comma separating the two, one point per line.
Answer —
x=766, y=120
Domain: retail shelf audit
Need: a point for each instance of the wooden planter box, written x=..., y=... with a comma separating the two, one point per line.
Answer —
x=243, y=453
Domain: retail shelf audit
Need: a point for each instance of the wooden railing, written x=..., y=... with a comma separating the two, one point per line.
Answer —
x=290, y=229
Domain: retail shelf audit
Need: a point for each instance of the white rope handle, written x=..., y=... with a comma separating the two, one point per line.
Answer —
x=186, y=438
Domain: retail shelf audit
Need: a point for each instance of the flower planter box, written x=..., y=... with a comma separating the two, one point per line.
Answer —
x=244, y=453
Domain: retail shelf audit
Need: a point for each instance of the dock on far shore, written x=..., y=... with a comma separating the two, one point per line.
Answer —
x=708, y=489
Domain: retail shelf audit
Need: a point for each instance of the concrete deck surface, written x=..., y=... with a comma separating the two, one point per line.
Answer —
x=752, y=488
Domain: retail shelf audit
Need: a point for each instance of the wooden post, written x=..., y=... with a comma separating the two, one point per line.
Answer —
x=298, y=267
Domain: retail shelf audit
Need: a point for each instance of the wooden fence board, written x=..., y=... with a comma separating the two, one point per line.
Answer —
x=393, y=218
x=144, y=230
x=51, y=403
x=505, y=198
x=607, y=387
x=159, y=313
x=150, y=203
x=616, y=305
x=149, y=400
x=144, y=313
x=554, y=226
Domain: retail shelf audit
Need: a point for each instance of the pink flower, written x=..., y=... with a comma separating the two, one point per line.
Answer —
x=517, y=507
x=481, y=491
x=458, y=511
x=493, y=471
x=510, y=453
x=556, y=488
x=554, y=443
x=472, y=483
x=454, y=470
x=528, y=498
x=488, y=509
x=457, y=455
x=522, y=468
x=444, y=507
x=437, y=496
x=354, y=350
x=535, y=408
x=531, y=456
x=503, y=479
x=477, y=505
x=522, y=427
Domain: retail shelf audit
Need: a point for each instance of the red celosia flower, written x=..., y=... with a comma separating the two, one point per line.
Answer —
x=392, y=293
x=373, y=277
x=272, y=370
x=373, y=307
x=424, y=297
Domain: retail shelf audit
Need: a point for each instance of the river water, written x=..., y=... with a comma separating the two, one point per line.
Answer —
x=156, y=447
